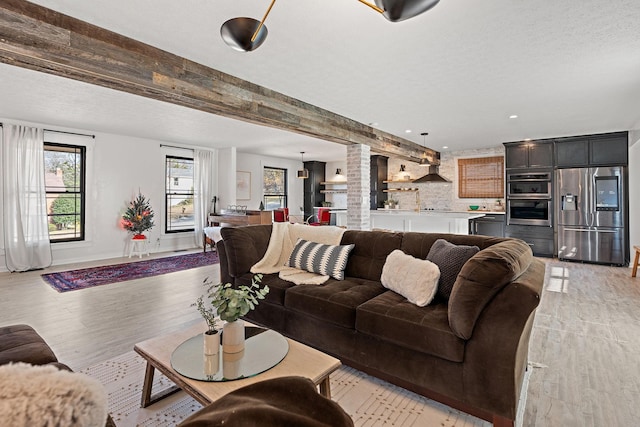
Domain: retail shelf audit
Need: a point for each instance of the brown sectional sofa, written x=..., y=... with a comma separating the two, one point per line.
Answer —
x=469, y=352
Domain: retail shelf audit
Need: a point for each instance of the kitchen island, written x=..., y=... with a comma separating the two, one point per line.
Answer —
x=423, y=221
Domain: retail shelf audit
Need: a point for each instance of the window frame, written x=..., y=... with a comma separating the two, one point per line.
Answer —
x=284, y=197
x=82, y=151
x=167, y=194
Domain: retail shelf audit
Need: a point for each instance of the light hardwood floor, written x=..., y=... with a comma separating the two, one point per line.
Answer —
x=584, y=346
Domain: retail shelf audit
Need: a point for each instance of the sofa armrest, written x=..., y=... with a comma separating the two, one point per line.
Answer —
x=244, y=246
x=496, y=355
x=21, y=343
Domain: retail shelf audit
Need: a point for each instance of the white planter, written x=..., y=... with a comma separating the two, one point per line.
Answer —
x=211, y=343
x=233, y=337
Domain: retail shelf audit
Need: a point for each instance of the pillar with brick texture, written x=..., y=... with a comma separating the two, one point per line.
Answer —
x=358, y=190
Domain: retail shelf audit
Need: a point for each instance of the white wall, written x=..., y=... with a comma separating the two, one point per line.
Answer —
x=227, y=159
x=255, y=165
x=119, y=166
x=634, y=190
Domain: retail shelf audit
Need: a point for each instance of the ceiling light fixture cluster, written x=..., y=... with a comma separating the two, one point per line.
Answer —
x=247, y=34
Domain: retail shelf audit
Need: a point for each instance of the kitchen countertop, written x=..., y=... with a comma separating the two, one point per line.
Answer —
x=426, y=221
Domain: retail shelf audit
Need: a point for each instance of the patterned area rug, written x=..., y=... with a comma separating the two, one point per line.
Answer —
x=368, y=400
x=73, y=280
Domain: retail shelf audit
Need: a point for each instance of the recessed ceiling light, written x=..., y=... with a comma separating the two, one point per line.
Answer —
x=444, y=147
x=407, y=131
x=513, y=116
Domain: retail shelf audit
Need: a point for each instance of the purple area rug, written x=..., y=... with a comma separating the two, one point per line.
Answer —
x=73, y=280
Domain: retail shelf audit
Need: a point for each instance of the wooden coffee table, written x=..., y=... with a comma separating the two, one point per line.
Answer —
x=301, y=360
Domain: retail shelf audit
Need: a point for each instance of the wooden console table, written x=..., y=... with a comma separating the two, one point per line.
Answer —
x=252, y=217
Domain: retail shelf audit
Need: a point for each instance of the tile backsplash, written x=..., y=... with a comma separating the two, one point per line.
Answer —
x=437, y=195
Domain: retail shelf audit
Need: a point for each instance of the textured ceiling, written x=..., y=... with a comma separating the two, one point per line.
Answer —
x=458, y=71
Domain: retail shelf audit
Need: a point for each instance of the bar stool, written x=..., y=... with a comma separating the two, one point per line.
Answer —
x=635, y=261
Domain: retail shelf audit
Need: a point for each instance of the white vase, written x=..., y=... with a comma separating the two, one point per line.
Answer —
x=233, y=337
x=211, y=343
x=211, y=365
x=232, y=365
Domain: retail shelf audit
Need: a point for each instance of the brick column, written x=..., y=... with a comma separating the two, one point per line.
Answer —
x=359, y=176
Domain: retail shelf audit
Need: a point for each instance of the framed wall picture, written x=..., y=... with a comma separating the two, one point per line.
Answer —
x=243, y=185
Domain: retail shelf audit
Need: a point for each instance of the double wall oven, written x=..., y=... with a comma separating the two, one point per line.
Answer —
x=529, y=198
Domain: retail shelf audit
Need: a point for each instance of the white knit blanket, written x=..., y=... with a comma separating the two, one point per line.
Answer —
x=283, y=238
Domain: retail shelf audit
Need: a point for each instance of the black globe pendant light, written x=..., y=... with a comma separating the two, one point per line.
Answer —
x=238, y=34
x=248, y=34
x=399, y=10
x=245, y=34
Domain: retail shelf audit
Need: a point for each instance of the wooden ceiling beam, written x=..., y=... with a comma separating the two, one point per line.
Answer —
x=37, y=38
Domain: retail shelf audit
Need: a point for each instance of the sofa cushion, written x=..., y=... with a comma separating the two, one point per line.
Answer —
x=419, y=244
x=46, y=395
x=370, y=252
x=328, y=260
x=277, y=286
x=449, y=258
x=21, y=343
x=481, y=278
x=335, y=301
x=425, y=329
x=413, y=278
x=245, y=246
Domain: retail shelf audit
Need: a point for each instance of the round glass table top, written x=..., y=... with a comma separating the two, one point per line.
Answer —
x=263, y=350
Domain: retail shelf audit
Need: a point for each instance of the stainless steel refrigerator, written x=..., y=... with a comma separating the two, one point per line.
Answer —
x=592, y=215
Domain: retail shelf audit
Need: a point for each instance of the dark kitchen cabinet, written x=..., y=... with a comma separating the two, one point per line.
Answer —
x=312, y=186
x=531, y=154
x=539, y=238
x=378, y=177
x=488, y=225
x=609, y=150
x=596, y=150
x=572, y=153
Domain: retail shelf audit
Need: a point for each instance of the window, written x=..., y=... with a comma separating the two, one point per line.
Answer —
x=274, y=188
x=65, y=187
x=179, y=195
x=481, y=177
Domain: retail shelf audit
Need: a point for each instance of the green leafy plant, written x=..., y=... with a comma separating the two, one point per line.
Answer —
x=208, y=313
x=228, y=302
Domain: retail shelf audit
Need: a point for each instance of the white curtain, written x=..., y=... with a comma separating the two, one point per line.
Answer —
x=203, y=187
x=26, y=233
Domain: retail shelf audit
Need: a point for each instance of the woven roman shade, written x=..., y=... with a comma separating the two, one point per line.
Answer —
x=481, y=177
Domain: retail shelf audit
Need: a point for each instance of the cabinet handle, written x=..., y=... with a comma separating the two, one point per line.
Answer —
x=530, y=244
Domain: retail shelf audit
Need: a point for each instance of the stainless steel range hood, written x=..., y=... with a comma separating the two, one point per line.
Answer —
x=432, y=176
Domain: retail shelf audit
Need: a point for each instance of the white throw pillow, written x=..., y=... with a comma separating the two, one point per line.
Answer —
x=45, y=395
x=413, y=278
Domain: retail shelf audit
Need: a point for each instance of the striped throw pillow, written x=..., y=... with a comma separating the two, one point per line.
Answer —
x=328, y=260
